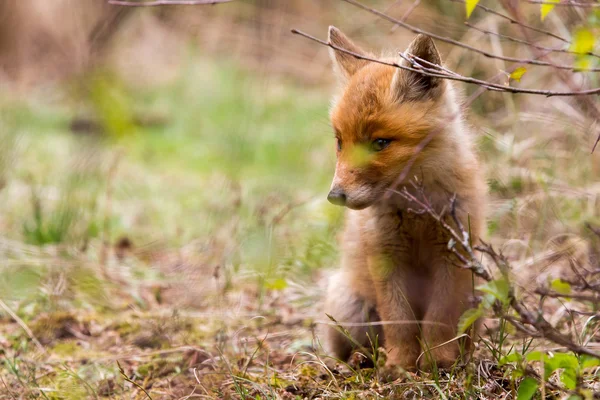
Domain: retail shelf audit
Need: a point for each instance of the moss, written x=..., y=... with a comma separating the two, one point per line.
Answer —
x=53, y=326
x=157, y=369
x=126, y=328
x=66, y=348
x=150, y=340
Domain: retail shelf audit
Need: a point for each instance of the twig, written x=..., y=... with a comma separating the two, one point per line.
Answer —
x=405, y=16
x=568, y=3
x=445, y=39
x=165, y=3
x=381, y=323
x=412, y=160
x=591, y=104
x=516, y=22
x=23, y=325
x=464, y=335
x=482, y=89
x=576, y=296
x=128, y=379
x=594, y=230
x=454, y=76
x=525, y=42
x=532, y=324
x=412, y=8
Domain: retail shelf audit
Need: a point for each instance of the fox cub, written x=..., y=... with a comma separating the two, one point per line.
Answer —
x=396, y=267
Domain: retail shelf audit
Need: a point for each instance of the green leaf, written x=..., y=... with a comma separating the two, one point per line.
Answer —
x=569, y=378
x=487, y=302
x=498, y=288
x=536, y=356
x=546, y=8
x=518, y=73
x=468, y=318
x=589, y=361
x=560, y=286
x=566, y=361
x=527, y=389
x=517, y=373
x=583, y=41
x=512, y=357
x=470, y=6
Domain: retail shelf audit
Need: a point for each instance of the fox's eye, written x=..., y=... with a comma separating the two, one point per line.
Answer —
x=339, y=144
x=380, y=144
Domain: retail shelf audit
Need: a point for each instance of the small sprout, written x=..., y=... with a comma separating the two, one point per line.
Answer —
x=498, y=288
x=510, y=358
x=468, y=318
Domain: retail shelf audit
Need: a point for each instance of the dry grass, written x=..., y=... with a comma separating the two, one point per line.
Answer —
x=162, y=204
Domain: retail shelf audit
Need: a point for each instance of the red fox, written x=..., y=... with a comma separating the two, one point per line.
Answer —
x=396, y=267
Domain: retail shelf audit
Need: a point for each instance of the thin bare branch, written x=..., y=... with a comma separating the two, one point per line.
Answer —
x=590, y=104
x=445, y=39
x=493, y=79
x=165, y=3
x=595, y=230
x=525, y=42
x=405, y=16
x=454, y=76
x=516, y=22
x=576, y=296
x=567, y=3
x=23, y=325
x=412, y=160
x=533, y=324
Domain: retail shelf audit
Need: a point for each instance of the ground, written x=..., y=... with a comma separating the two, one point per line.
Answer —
x=173, y=242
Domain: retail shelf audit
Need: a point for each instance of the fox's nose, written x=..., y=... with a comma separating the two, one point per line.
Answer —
x=337, y=197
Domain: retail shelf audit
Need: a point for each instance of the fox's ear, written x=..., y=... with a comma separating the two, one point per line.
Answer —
x=344, y=64
x=408, y=85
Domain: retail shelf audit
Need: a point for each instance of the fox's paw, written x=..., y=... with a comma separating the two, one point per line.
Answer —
x=391, y=373
x=439, y=358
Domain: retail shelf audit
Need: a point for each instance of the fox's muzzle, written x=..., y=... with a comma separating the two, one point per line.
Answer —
x=337, y=197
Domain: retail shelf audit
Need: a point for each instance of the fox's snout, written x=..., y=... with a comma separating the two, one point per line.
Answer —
x=353, y=194
x=337, y=196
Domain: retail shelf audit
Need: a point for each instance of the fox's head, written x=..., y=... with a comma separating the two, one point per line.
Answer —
x=383, y=115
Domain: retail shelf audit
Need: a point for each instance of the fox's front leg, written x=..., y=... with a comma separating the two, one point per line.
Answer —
x=354, y=313
x=452, y=290
x=402, y=330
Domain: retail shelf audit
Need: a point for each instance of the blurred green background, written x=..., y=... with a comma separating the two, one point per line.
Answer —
x=163, y=174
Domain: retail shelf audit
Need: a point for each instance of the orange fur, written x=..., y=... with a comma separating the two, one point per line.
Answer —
x=395, y=264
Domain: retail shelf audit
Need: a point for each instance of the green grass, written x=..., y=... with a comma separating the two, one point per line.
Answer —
x=185, y=234
x=214, y=177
